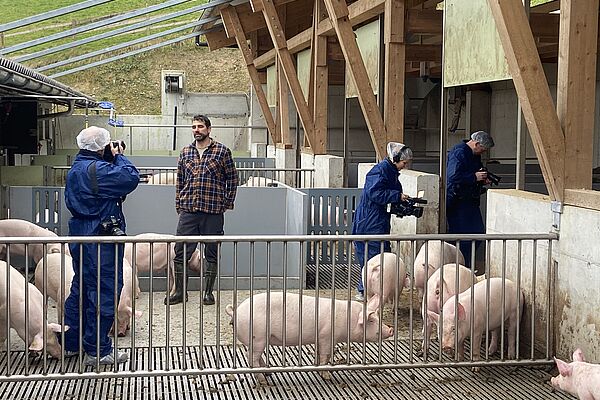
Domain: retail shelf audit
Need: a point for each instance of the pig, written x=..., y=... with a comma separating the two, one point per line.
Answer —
x=578, y=378
x=53, y=277
x=34, y=314
x=124, y=310
x=163, y=178
x=293, y=337
x=22, y=228
x=434, y=260
x=159, y=256
x=434, y=301
x=512, y=303
x=393, y=274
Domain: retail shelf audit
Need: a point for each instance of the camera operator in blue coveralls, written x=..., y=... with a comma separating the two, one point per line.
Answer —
x=97, y=183
x=382, y=187
x=464, y=185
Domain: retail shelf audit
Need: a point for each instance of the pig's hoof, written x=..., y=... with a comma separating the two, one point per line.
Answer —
x=419, y=353
x=325, y=375
x=121, y=334
x=475, y=369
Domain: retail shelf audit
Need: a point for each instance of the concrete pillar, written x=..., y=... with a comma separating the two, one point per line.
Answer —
x=285, y=158
x=329, y=171
x=363, y=169
x=478, y=111
x=256, y=118
x=271, y=153
x=258, y=150
x=307, y=161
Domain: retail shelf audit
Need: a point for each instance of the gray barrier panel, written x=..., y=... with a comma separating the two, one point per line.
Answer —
x=257, y=211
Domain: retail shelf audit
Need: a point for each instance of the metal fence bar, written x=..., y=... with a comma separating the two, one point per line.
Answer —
x=306, y=317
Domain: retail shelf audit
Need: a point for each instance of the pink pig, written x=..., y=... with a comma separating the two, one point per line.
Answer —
x=464, y=306
x=53, y=279
x=161, y=260
x=34, y=314
x=434, y=301
x=578, y=378
x=124, y=309
x=22, y=228
x=434, y=261
x=309, y=335
x=390, y=275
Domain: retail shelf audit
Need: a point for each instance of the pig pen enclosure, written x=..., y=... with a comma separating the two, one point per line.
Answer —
x=298, y=244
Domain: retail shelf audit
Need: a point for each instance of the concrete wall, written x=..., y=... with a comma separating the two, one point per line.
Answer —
x=575, y=257
x=222, y=109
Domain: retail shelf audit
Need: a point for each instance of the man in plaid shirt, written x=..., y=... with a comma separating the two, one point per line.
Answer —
x=206, y=186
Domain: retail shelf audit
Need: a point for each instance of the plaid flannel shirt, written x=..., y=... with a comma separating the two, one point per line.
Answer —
x=208, y=183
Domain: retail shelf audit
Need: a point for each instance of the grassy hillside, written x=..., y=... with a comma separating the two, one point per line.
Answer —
x=132, y=84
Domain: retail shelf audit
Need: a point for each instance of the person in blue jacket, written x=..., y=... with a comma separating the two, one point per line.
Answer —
x=382, y=187
x=97, y=183
x=464, y=182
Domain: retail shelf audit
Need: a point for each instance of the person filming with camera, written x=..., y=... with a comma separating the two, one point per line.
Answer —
x=96, y=185
x=465, y=182
x=382, y=187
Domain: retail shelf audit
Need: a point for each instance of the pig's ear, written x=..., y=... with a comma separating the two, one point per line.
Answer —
x=462, y=314
x=433, y=317
x=578, y=355
x=37, y=344
x=57, y=327
x=564, y=368
x=372, y=304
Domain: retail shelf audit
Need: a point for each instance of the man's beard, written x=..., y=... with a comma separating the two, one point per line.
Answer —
x=200, y=136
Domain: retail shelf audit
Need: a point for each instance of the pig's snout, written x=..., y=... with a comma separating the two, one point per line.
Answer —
x=387, y=332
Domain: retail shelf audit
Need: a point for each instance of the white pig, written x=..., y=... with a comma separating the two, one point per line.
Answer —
x=393, y=274
x=22, y=228
x=512, y=303
x=53, y=279
x=434, y=301
x=34, y=314
x=124, y=310
x=434, y=261
x=579, y=378
x=159, y=255
x=293, y=337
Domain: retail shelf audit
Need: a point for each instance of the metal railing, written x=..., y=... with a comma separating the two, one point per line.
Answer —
x=346, y=340
x=248, y=176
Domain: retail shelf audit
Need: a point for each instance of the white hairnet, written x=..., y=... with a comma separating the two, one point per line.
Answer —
x=93, y=138
x=394, y=149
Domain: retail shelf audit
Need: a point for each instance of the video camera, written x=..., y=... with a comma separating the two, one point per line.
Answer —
x=493, y=178
x=112, y=227
x=407, y=207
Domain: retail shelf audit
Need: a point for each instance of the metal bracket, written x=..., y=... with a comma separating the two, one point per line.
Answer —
x=557, y=209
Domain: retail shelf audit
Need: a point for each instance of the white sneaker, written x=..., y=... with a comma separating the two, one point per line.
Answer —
x=359, y=297
x=108, y=359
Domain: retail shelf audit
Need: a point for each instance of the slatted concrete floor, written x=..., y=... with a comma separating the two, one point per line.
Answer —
x=419, y=383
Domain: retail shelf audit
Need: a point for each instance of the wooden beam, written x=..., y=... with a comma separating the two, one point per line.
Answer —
x=583, y=198
x=533, y=91
x=218, y=39
x=287, y=63
x=338, y=14
x=424, y=21
x=424, y=52
x=234, y=27
x=395, y=65
x=283, y=105
x=546, y=7
x=576, y=88
x=320, y=78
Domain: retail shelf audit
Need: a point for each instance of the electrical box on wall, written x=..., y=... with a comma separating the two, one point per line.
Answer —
x=173, y=81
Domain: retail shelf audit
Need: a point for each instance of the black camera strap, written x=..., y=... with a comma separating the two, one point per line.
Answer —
x=93, y=177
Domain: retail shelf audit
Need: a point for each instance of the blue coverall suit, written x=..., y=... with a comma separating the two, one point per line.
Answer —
x=90, y=207
x=462, y=195
x=372, y=218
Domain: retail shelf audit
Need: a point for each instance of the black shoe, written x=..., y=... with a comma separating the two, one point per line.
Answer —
x=209, y=299
x=177, y=297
